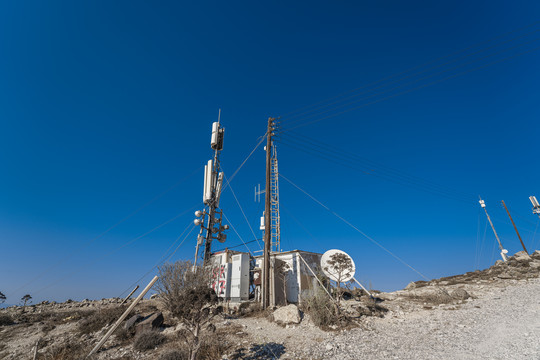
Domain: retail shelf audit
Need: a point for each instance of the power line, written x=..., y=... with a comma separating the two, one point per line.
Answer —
x=243, y=213
x=236, y=232
x=70, y=255
x=261, y=139
x=415, y=74
x=382, y=174
x=341, y=154
x=115, y=250
x=161, y=261
x=413, y=68
x=235, y=246
x=355, y=228
x=412, y=89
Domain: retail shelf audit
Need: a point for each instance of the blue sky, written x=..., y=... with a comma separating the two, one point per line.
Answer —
x=106, y=105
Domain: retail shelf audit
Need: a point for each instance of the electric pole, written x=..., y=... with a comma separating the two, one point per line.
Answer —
x=503, y=251
x=515, y=228
x=266, y=291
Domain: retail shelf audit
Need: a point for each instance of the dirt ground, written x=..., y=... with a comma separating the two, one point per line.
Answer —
x=488, y=314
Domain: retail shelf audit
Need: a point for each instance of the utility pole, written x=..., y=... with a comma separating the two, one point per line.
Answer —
x=266, y=290
x=515, y=228
x=503, y=251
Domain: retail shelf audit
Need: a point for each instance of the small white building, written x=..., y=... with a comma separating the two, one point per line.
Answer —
x=291, y=278
x=235, y=275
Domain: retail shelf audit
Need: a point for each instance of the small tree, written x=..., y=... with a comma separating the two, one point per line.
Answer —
x=2, y=297
x=340, y=265
x=26, y=299
x=185, y=291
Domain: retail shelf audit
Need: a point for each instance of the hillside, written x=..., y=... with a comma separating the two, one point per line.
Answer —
x=488, y=314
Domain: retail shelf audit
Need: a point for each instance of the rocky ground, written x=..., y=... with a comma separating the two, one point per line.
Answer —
x=489, y=314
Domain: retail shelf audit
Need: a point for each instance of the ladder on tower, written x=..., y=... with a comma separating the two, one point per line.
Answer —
x=274, y=204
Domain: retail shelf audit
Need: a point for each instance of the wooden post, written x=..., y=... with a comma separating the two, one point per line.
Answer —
x=267, y=220
x=124, y=315
x=36, y=349
x=362, y=286
x=503, y=254
x=515, y=228
x=127, y=297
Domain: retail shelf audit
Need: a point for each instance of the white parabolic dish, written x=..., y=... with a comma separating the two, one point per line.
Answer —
x=330, y=271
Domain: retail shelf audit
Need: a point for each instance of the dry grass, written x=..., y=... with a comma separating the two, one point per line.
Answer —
x=148, y=340
x=97, y=320
x=320, y=309
x=174, y=355
x=71, y=350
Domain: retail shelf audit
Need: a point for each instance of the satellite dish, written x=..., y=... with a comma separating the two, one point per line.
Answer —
x=332, y=271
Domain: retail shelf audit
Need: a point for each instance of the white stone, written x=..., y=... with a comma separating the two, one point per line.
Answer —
x=522, y=256
x=287, y=315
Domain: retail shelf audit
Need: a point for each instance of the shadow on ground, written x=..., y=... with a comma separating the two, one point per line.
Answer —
x=266, y=351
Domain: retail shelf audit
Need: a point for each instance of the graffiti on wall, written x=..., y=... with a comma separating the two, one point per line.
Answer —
x=219, y=279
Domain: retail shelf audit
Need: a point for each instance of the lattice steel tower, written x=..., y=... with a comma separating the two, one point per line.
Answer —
x=274, y=203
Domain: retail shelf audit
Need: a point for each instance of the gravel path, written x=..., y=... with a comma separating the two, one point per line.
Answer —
x=503, y=323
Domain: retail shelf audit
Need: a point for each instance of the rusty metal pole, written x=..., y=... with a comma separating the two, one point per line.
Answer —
x=515, y=228
x=267, y=219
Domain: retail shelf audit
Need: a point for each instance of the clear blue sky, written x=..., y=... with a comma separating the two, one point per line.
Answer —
x=105, y=105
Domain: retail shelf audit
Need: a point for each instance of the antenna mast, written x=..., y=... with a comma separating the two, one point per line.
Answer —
x=503, y=251
x=213, y=183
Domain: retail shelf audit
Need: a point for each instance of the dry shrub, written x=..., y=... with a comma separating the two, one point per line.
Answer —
x=372, y=309
x=255, y=309
x=320, y=308
x=6, y=320
x=71, y=350
x=124, y=335
x=96, y=321
x=436, y=297
x=174, y=355
x=187, y=295
x=147, y=340
x=212, y=348
x=54, y=317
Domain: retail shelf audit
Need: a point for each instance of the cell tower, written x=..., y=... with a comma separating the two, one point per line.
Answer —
x=275, y=227
x=210, y=217
x=536, y=205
